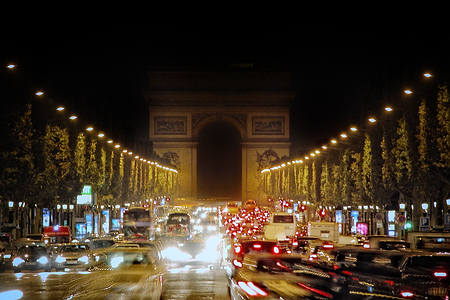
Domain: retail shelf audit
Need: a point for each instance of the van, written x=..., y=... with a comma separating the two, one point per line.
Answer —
x=431, y=241
x=282, y=226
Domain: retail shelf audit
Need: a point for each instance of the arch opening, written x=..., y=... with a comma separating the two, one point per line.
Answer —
x=219, y=161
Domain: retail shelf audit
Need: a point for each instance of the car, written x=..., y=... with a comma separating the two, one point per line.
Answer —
x=250, y=205
x=72, y=256
x=100, y=243
x=126, y=245
x=302, y=244
x=284, y=276
x=6, y=257
x=33, y=257
x=407, y=274
x=385, y=243
x=122, y=273
x=245, y=247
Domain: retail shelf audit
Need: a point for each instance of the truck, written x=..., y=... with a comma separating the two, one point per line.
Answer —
x=326, y=231
x=282, y=226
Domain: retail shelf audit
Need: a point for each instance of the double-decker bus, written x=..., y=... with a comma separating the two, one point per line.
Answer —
x=138, y=223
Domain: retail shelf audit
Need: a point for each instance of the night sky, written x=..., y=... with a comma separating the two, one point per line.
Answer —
x=341, y=73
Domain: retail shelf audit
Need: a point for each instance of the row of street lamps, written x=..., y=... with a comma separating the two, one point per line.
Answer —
x=100, y=134
x=372, y=120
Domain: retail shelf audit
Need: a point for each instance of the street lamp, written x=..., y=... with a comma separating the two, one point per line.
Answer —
x=344, y=135
x=333, y=141
x=11, y=66
x=427, y=75
x=407, y=91
x=353, y=129
x=60, y=108
x=372, y=120
x=90, y=128
x=39, y=93
x=73, y=117
x=388, y=109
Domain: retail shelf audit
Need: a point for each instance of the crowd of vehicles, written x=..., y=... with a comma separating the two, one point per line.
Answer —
x=266, y=255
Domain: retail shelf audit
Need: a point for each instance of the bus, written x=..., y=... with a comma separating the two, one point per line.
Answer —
x=138, y=223
x=178, y=224
x=57, y=234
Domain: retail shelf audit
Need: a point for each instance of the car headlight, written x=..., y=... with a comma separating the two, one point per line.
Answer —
x=17, y=261
x=43, y=260
x=212, y=228
x=7, y=256
x=60, y=259
x=83, y=259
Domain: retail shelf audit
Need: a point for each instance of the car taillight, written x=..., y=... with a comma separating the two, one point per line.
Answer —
x=313, y=256
x=237, y=249
x=407, y=294
x=440, y=274
x=295, y=243
x=328, y=246
x=276, y=250
x=251, y=289
x=365, y=245
x=237, y=263
x=257, y=246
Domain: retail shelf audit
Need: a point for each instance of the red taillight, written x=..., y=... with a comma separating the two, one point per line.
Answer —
x=257, y=246
x=237, y=249
x=251, y=289
x=407, y=294
x=237, y=263
x=440, y=274
x=367, y=246
x=276, y=250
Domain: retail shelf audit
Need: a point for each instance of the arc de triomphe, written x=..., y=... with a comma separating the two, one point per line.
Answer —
x=257, y=104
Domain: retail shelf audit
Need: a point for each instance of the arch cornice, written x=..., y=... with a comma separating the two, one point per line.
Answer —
x=237, y=120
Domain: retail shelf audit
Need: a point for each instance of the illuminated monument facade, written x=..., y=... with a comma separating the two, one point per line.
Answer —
x=256, y=104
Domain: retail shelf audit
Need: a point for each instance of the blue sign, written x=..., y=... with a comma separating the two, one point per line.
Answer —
x=115, y=224
x=45, y=217
x=339, y=216
x=105, y=219
x=89, y=224
x=354, y=215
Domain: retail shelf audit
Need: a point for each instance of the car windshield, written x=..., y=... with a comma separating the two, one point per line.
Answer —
x=283, y=219
x=34, y=251
x=74, y=248
x=128, y=258
x=428, y=264
x=178, y=219
x=99, y=244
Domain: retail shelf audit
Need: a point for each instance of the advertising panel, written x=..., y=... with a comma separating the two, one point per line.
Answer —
x=105, y=221
x=45, y=217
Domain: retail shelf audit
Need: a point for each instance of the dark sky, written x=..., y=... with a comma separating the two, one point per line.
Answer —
x=341, y=73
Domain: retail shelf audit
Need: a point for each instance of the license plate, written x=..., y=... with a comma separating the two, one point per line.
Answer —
x=437, y=291
x=71, y=262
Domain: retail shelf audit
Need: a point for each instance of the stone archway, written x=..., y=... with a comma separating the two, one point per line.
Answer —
x=255, y=104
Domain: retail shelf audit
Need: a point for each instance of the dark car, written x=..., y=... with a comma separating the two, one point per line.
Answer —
x=407, y=274
x=32, y=257
x=269, y=276
x=245, y=247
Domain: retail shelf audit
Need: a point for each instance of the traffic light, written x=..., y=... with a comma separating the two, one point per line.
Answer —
x=408, y=225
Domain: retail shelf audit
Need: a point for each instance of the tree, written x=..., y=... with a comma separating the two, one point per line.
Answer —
x=367, y=170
